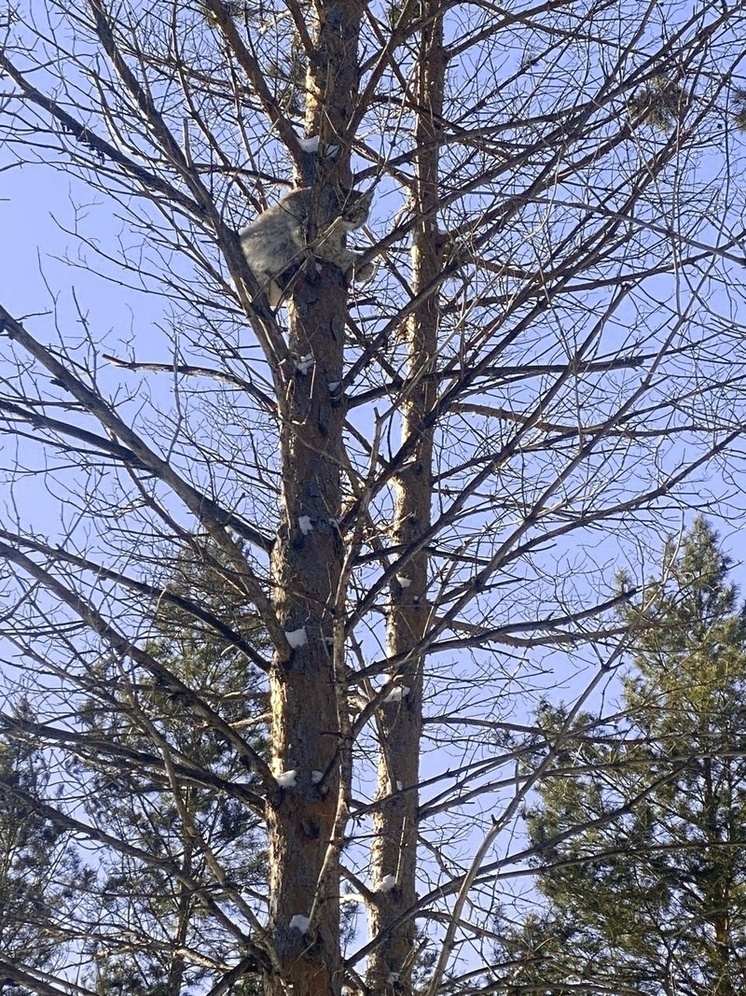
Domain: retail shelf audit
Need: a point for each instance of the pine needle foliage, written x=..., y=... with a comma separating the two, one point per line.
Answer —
x=639, y=835
x=41, y=874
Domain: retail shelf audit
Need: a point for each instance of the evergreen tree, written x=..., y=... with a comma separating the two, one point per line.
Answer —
x=206, y=840
x=640, y=834
x=40, y=872
x=142, y=921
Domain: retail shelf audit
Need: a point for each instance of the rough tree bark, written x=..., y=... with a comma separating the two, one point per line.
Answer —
x=394, y=850
x=308, y=713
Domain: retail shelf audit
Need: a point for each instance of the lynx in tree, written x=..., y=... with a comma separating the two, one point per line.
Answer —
x=277, y=243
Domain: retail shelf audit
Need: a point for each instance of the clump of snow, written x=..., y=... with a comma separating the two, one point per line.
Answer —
x=415, y=598
x=304, y=363
x=397, y=694
x=300, y=923
x=296, y=637
x=333, y=385
x=393, y=978
x=316, y=777
x=399, y=785
x=287, y=779
x=403, y=581
x=309, y=144
x=352, y=897
x=305, y=525
x=387, y=883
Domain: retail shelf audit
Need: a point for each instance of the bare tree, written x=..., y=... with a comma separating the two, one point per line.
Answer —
x=421, y=485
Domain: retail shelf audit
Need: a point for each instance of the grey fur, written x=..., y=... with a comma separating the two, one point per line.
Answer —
x=276, y=244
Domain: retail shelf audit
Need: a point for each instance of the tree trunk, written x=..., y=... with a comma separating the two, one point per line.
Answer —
x=307, y=560
x=304, y=708
x=400, y=726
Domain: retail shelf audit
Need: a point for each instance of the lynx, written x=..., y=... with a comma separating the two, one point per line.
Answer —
x=276, y=244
